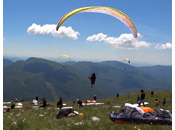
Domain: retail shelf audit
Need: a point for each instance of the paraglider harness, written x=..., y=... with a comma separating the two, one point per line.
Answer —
x=64, y=113
x=93, y=78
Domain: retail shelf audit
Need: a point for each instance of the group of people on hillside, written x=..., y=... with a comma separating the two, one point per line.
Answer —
x=44, y=102
x=60, y=102
x=79, y=102
x=141, y=99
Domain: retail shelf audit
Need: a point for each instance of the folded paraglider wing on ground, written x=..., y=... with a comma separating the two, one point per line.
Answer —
x=131, y=115
x=64, y=113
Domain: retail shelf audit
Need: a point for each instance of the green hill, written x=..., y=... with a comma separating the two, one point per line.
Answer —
x=45, y=78
x=114, y=75
x=36, y=76
x=30, y=118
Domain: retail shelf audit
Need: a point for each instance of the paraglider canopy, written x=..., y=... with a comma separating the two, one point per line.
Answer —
x=126, y=59
x=64, y=56
x=105, y=10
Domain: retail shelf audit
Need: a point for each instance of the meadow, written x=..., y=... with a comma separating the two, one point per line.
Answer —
x=45, y=118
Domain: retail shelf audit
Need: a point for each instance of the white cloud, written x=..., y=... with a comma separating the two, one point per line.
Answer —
x=98, y=37
x=163, y=46
x=51, y=30
x=124, y=41
x=3, y=38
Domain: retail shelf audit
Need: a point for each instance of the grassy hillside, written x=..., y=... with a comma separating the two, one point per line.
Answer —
x=29, y=119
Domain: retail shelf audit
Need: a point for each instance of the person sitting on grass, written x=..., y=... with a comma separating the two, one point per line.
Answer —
x=156, y=102
x=79, y=102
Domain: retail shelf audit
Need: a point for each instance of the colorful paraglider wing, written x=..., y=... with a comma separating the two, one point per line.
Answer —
x=65, y=56
x=105, y=10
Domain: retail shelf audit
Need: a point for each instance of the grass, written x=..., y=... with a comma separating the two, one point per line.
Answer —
x=29, y=119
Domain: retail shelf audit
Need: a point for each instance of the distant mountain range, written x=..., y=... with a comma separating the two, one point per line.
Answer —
x=45, y=78
x=7, y=62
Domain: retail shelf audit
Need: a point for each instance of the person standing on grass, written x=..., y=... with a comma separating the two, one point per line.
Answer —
x=117, y=95
x=36, y=98
x=152, y=93
x=12, y=104
x=95, y=97
x=142, y=97
x=164, y=101
x=44, y=102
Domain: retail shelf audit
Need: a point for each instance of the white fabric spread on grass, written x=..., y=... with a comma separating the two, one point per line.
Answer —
x=92, y=104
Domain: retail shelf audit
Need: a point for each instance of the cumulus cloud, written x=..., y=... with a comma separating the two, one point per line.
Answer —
x=163, y=46
x=50, y=29
x=124, y=41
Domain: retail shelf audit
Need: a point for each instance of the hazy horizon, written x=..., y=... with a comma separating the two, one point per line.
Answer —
x=136, y=64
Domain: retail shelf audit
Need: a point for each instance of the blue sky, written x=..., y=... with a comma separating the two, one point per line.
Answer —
x=153, y=20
